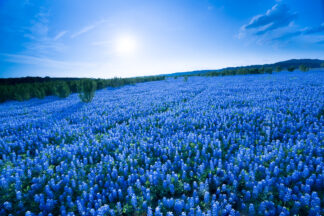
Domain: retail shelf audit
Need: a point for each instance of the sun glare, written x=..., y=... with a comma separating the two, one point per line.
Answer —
x=125, y=45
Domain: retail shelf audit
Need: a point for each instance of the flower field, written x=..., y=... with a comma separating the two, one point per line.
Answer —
x=233, y=145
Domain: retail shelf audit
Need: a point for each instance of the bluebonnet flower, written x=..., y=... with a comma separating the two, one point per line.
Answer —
x=251, y=209
x=134, y=201
x=142, y=143
x=18, y=195
x=149, y=211
x=178, y=206
x=29, y=213
x=158, y=211
x=215, y=209
x=7, y=205
x=171, y=187
x=206, y=197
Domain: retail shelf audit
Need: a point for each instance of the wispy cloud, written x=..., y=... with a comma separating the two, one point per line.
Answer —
x=299, y=32
x=39, y=26
x=315, y=30
x=102, y=43
x=278, y=16
x=43, y=61
x=320, y=42
x=277, y=26
x=62, y=68
x=59, y=35
x=39, y=41
x=87, y=28
x=82, y=31
x=45, y=46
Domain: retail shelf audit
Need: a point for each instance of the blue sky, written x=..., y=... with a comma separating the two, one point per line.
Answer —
x=109, y=38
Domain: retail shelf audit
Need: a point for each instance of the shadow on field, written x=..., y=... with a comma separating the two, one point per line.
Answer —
x=67, y=111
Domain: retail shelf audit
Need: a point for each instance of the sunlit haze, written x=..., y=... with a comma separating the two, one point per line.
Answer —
x=126, y=45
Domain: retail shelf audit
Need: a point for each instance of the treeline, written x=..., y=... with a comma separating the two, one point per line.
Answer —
x=21, y=89
x=239, y=71
x=250, y=70
x=28, y=79
x=290, y=65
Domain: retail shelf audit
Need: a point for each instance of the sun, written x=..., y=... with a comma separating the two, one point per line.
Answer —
x=125, y=45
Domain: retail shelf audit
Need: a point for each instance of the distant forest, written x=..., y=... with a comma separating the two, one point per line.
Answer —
x=289, y=65
x=254, y=70
x=22, y=89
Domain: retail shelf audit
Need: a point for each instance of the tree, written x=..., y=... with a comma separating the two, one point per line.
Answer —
x=291, y=69
x=268, y=70
x=62, y=90
x=100, y=84
x=39, y=92
x=87, y=90
x=303, y=68
x=4, y=93
x=22, y=92
x=29, y=87
x=278, y=69
x=322, y=65
x=73, y=85
x=185, y=78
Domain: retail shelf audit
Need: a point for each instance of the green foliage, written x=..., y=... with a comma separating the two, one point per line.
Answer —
x=29, y=87
x=87, y=90
x=239, y=71
x=303, y=68
x=73, y=85
x=100, y=84
x=4, y=93
x=322, y=65
x=49, y=88
x=62, y=90
x=291, y=69
x=260, y=69
x=39, y=93
x=278, y=69
x=268, y=70
x=22, y=93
